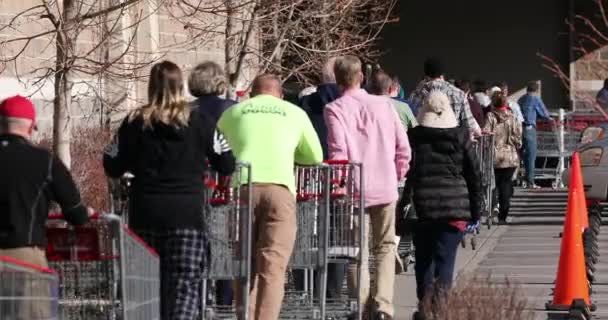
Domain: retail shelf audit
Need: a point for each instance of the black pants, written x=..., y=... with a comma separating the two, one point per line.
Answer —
x=436, y=246
x=504, y=190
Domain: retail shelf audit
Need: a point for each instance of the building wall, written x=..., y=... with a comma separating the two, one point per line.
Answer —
x=158, y=36
x=491, y=40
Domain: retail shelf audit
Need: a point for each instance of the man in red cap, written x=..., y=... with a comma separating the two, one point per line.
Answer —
x=30, y=179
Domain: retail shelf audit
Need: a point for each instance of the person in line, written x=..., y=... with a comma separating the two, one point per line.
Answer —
x=480, y=93
x=381, y=85
x=513, y=105
x=433, y=70
x=366, y=129
x=505, y=127
x=165, y=145
x=207, y=82
x=314, y=104
x=476, y=108
x=271, y=134
x=602, y=96
x=30, y=179
x=532, y=107
x=445, y=185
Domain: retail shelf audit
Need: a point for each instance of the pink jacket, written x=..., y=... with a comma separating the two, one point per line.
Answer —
x=365, y=128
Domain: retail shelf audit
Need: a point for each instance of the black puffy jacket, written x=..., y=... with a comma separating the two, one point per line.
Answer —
x=445, y=178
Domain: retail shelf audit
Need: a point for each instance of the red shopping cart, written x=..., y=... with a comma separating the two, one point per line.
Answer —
x=105, y=270
x=307, y=274
x=227, y=219
x=346, y=212
x=27, y=291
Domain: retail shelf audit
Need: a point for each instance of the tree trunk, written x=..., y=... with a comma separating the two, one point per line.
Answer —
x=230, y=52
x=66, y=39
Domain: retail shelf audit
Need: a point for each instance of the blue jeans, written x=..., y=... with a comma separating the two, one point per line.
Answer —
x=529, y=142
x=436, y=245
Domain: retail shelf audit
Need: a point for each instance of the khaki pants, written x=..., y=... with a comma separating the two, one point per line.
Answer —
x=274, y=235
x=40, y=307
x=382, y=220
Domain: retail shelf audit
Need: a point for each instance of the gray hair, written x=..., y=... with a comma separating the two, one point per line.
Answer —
x=327, y=74
x=207, y=78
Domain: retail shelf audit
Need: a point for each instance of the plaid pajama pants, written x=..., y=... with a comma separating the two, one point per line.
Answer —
x=182, y=259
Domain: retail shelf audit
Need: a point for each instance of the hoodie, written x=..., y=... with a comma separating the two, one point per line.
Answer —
x=507, y=137
x=314, y=105
x=168, y=163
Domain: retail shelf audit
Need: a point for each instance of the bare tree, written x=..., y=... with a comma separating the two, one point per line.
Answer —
x=588, y=34
x=287, y=37
x=92, y=40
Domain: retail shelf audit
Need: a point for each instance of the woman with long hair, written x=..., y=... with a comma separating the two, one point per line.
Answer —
x=507, y=130
x=166, y=145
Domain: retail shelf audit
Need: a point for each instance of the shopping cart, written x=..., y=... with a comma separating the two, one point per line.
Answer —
x=554, y=149
x=27, y=291
x=484, y=147
x=346, y=214
x=227, y=219
x=485, y=152
x=305, y=289
x=105, y=270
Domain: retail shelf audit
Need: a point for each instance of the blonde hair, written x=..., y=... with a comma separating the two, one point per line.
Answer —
x=166, y=102
x=347, y=70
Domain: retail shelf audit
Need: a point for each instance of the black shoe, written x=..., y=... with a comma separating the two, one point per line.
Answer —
x=502, y=222
x=382, y=316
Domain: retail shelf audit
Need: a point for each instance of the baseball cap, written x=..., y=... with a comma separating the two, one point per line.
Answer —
x=18, y=107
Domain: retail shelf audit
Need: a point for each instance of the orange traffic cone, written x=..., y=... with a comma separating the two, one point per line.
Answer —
x=571, y=283
x=577, y=182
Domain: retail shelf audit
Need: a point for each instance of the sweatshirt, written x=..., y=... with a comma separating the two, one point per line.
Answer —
x=271, y=134
x=168, y=163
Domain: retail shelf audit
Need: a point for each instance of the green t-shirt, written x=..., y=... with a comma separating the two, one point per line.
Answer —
x=271, y=135
x=405, y=114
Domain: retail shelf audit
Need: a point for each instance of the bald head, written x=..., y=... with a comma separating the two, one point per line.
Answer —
x=267, y=84
x=16, y=126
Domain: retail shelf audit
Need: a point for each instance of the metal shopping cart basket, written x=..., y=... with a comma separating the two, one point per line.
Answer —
x=346, y=212
x=554, y=149
x=106, y=271
x=27, y=291
x=485, y=151
x=228, y=220
x=305, y=287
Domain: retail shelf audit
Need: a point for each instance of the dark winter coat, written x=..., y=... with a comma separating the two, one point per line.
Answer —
x=314, y=105
x=213, y=106
x=445, y=178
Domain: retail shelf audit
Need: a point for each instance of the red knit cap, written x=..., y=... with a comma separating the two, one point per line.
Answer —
x=18, y=107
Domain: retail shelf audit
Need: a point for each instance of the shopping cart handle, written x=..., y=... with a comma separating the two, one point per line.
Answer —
x=337, y=161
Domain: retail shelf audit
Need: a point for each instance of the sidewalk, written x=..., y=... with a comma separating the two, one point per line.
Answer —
x=467, y=261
